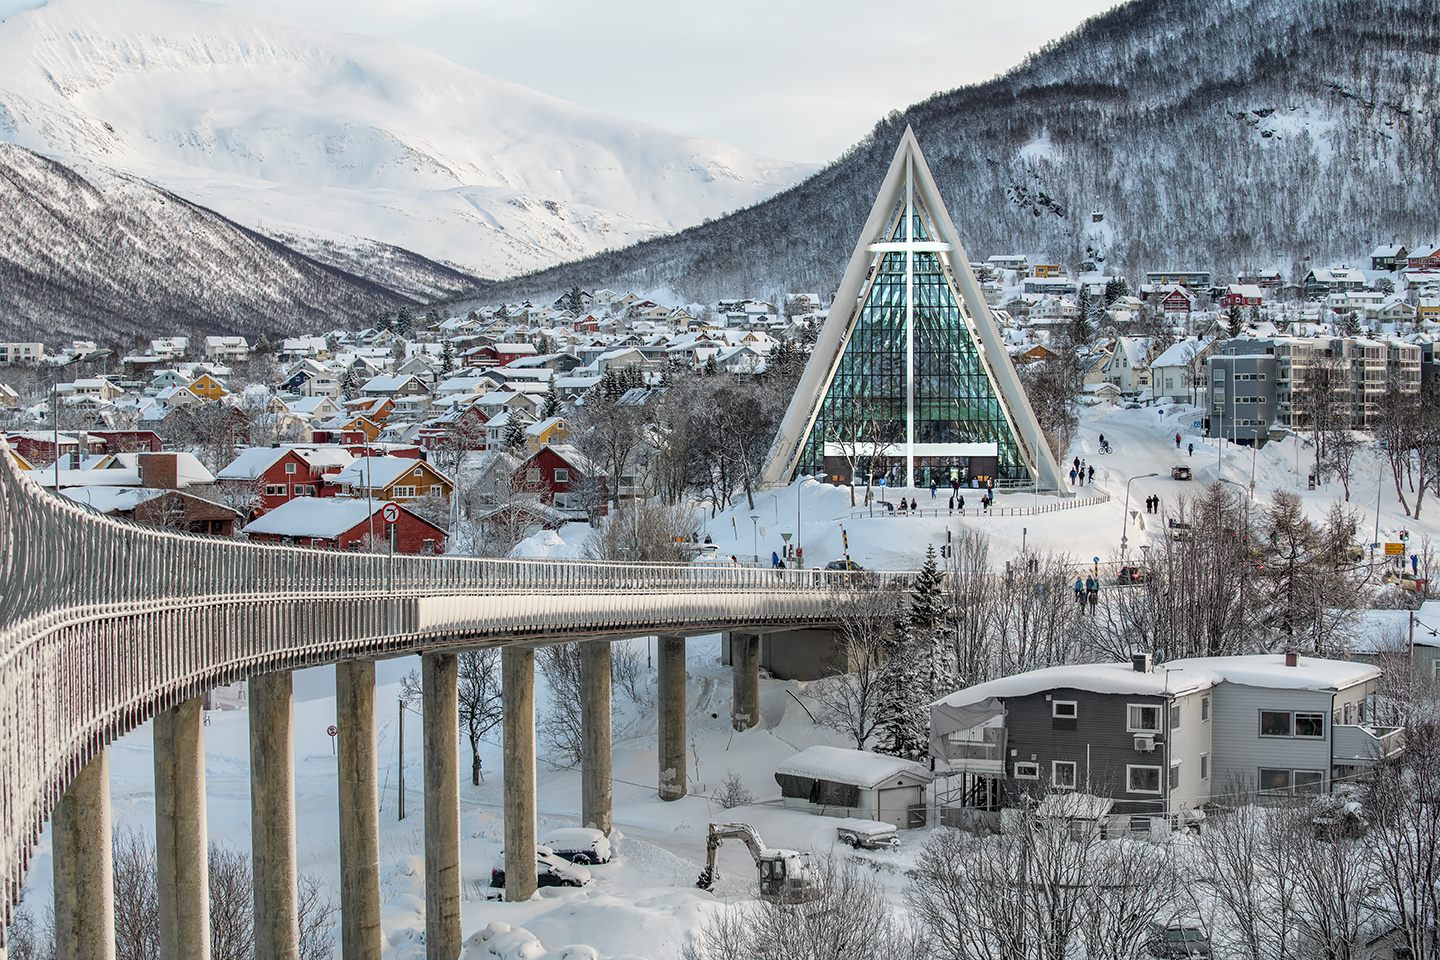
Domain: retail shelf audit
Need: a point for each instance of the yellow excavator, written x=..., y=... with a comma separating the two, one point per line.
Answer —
x=786, y=876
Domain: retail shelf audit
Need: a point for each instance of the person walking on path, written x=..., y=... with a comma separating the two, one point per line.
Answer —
x=952, y=506
x=1080, y=591
x=1092, y=473
x=960, y=502
x=1192, y=449
x=932, y=489
x=1074, y=471
x=1177, y=440
x=1092, y=592
x=1076, y=463
x=775, y=560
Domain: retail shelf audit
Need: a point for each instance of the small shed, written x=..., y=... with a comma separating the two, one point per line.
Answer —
x=836, y=782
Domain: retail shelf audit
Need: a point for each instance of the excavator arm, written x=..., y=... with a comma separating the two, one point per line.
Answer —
x=719, y=833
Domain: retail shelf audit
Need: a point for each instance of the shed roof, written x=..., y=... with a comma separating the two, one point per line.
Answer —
x=858, y=767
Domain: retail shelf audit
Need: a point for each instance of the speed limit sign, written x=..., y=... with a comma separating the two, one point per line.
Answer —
x=391, y=512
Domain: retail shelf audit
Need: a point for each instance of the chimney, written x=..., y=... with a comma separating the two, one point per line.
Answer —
x=1292, y=659
x=160, y=471
x=1140, y=662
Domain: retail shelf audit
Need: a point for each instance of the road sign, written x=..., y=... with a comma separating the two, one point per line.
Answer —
x=1394, y=549
x=332, y=730
x=391, y=512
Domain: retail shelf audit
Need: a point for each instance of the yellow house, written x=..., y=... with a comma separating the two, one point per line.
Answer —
x=392, y=478
x=1428, y=309
x=1048, y=270
x=207, y=387
x=545, y=433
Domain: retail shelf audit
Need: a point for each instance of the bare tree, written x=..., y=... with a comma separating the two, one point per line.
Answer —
x=480, y=695
x=851, y=699
x=560, y=728
x=1404, y=800
x=648, y=531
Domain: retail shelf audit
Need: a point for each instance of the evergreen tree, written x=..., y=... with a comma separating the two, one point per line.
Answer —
x=383, y=324
x=1232, y=322
x=552, y=403
x=404, y=322
x=263, y=346
x=923, y=630
x=515, y=431
x=1115, y=288
x=711, y=367
x=904, y=720
x=447, y=359
x=633, y=376
x=349, y=383
x=432, y=318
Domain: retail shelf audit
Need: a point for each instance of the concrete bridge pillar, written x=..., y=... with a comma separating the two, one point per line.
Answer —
x=181, y=843
x=517, y=665
x=84, y=870
x=272, y=817
x=595, y=788
x=360, y=935
x=438, y=680
x=745, y=680
x=672, y=717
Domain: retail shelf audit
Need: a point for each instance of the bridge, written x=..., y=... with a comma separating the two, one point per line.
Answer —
x=106, y=624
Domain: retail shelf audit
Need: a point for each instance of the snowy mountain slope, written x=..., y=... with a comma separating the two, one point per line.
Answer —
x=297, y=132
x=111, y=256
x=1222, y=134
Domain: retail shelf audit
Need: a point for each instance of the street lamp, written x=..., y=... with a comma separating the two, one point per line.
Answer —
x=755, y=535
x=1125, y=516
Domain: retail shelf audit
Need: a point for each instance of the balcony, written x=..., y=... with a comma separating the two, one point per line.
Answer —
x=1364, y=743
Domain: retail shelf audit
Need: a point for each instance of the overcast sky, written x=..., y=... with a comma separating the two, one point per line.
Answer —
x=795, y=79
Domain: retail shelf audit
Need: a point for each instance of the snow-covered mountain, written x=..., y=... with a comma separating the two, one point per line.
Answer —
x=342, y=139
x=1229, y=135
x=109, y=256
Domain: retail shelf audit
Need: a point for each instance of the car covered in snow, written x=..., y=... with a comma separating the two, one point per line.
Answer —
x=1177, y=940
x=1181, y=472
x=581, y=845
x=550, y=870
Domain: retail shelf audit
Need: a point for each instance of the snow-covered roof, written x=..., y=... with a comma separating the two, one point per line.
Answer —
x=1175, y=677
x=858, y=767
x=252, y=463
x=1384, y=631
x=113, y=499
x=1181, y=354
x=375, y=472
x=324, y=517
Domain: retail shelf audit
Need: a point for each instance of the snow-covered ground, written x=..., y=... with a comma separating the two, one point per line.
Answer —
x=644, y=903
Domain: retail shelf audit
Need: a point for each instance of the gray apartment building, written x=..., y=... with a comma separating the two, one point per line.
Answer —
x=1151, y=744
x=1256, y=384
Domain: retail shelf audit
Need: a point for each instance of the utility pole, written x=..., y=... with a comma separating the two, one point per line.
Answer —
x=402, y=758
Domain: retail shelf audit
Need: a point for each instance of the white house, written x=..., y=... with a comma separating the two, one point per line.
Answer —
x=226, y=349
x=836, y=782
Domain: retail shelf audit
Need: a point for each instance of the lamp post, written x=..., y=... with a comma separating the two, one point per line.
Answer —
x=755, y=535
x=1125, y=516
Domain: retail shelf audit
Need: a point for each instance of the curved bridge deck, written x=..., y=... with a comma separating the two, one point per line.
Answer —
x=104, y=623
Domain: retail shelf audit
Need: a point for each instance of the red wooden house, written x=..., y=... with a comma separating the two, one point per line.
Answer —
x=285, y=473
x=1176, y=300
x=1425, y=257
x=1241, y=295
x=344, y=523
x=564, y=477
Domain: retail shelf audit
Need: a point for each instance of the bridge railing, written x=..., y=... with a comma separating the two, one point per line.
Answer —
x=103, y=623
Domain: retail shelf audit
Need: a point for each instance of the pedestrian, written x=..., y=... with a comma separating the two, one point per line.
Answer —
x=1072, y=475
x=1092, y=473
x=955, y=483
x=1092, y=592
x=774, y=559
x=1177, y=441
x=932, y=489
x=961, y=503
x=1192, y=449
x=1079, y=591
x=952, y=506
x=913, y=506
x=1076, y=463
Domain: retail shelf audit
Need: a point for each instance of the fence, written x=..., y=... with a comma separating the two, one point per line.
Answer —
x=885, y=511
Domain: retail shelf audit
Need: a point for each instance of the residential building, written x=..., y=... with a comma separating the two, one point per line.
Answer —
x=1197, y=280
x=1128, y=366
x=346, y=524
x=21, y=352
x=391, y=478
x=281, y=474
x=1242, y=402
x=1388, y=256
x=1154, y=745
x=562, y=476
x=1180, y=371
x=227, y=349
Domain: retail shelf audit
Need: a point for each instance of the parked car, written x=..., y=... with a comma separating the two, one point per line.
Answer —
x=843, y=565
x=550, y=870
x=1132, y=575
x=1180, y=473
x=1403, y=579
x=1177, y=940
x=582, y=845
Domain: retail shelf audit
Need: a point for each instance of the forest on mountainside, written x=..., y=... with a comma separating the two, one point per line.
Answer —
x=1226, y=134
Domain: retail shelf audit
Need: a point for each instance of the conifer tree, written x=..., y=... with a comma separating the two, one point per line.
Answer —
x=515, y=432
x=404, y=322
x=349, y=383
x=904, y=718
x=552, y=403
x=447, y=359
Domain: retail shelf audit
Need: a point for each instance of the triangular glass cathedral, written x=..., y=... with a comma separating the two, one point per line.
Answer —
x=913, y=382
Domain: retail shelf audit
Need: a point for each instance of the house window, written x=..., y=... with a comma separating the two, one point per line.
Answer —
x=1064, y=709
x=1062, y=774
x=289, y=468
x=1274, y=723
x=404, y=491
x=275, y=489
x=1142, y=718
x=1174, y=716
x=1142, y=779
x=1175, y=775
x=419, y=472
x=1204, y=709
x=1290, y=781
x=562, y=475
x=1204, y=766
x=1284, y=723
x=1027, y=771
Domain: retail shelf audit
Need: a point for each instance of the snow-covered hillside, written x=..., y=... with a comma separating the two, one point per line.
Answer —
x=335, y=137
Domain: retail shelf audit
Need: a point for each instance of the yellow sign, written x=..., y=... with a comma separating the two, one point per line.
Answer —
x=1394, y=549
